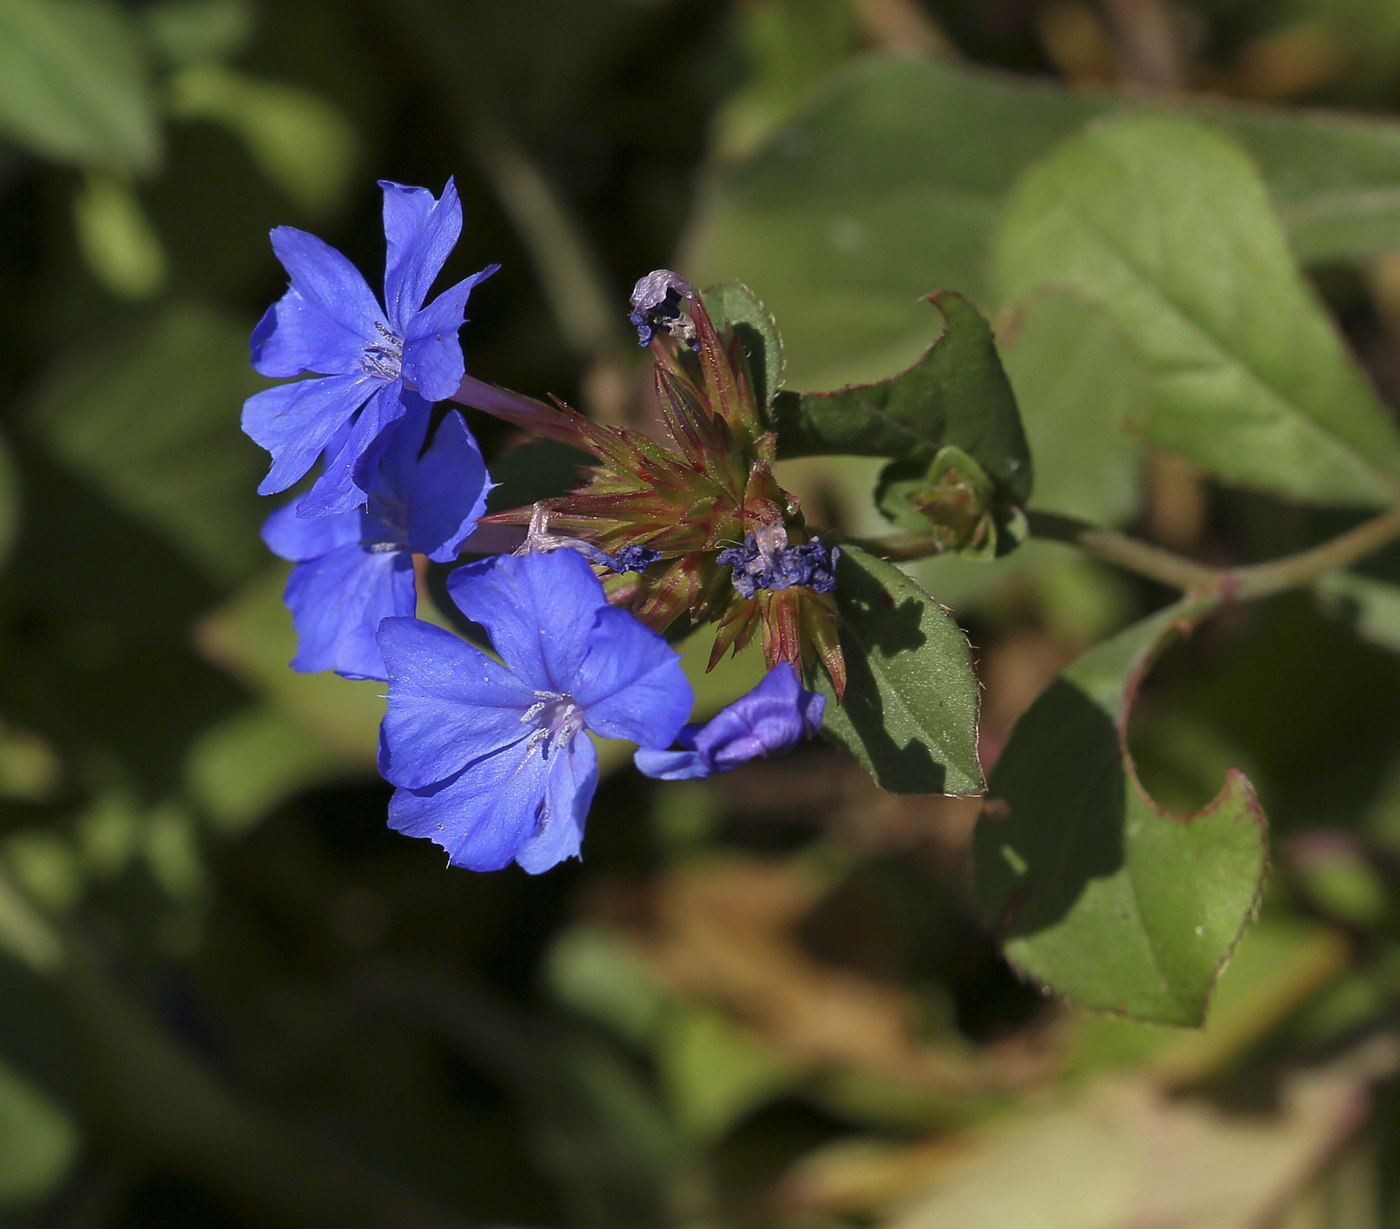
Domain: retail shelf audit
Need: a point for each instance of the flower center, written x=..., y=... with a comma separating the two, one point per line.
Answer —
x=383, y=358
x=556, y=718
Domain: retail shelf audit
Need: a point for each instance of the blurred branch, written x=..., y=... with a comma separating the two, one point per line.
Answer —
x=1147, y=40
x=571, y=275
x=1239, y=584
x=902, y=27
x=1168, y=568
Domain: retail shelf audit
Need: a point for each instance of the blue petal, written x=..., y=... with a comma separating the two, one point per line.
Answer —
x=448, y=492
x=769, y=720
x=329, y=283
x=402, y=445
x=484, y=816
x=420, y=233
x=294, y=337
x=298, y=539
x=295, y=422
x=538, y=609
x=337, y=603
x=432, y=354
x=671, y=765
x=347, y=476
x=573, y=777
x=630, y=683
x=449, y=704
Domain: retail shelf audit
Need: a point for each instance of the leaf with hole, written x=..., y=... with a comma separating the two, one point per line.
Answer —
x=1094, y=891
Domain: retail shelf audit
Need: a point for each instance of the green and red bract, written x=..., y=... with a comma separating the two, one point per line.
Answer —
x=704, y=492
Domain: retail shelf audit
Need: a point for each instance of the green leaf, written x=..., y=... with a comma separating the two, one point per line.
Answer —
x=890, y=183
x=734, y=306
x=956, y=394
x=38, y=1140
x=72, y=84
x=1094, y=891
x=1166, y=224
x=910, y=709
x=885, y=190
x=121, y=247
x=1080, y=387
x=149, y=417
x=188, y=31
x=299, y=141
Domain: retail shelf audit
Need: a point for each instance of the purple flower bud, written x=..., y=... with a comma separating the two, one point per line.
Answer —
x=657, y=308
x=769, y=720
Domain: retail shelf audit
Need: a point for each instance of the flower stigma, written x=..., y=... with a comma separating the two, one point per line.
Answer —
x=556, y=717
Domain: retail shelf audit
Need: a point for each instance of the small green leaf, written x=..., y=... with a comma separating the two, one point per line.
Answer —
x=149, y=416
x=952, y=501
x=72, y=84
x=956, y=394
x=910, y=709
x=1094, y=891
x=299, y=140
x=734, y=306
x=38, y=1141
x=1166, y=224
x=1080, y=389
x=121, y=247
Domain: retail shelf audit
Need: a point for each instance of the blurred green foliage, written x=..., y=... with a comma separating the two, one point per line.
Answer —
x=229, y=996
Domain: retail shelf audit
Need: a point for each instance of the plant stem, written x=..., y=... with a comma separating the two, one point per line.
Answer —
x=1236, y=584
x=1129, y=553
x=1166, y=567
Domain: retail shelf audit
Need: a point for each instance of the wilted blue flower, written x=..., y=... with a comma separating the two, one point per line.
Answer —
x=766, y=561
x=769, y=720
x=363, y=354
x=356, y=568
x=656, y=308
x=492, y=761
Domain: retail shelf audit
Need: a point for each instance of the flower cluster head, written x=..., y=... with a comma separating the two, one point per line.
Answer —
x=692, y=501
x=492, y=759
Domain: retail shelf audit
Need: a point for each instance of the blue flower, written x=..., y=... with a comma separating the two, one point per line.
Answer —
x=356, y=568
x=363, y=354
x=766, y=561
x=492, y=761
x=770, y=720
